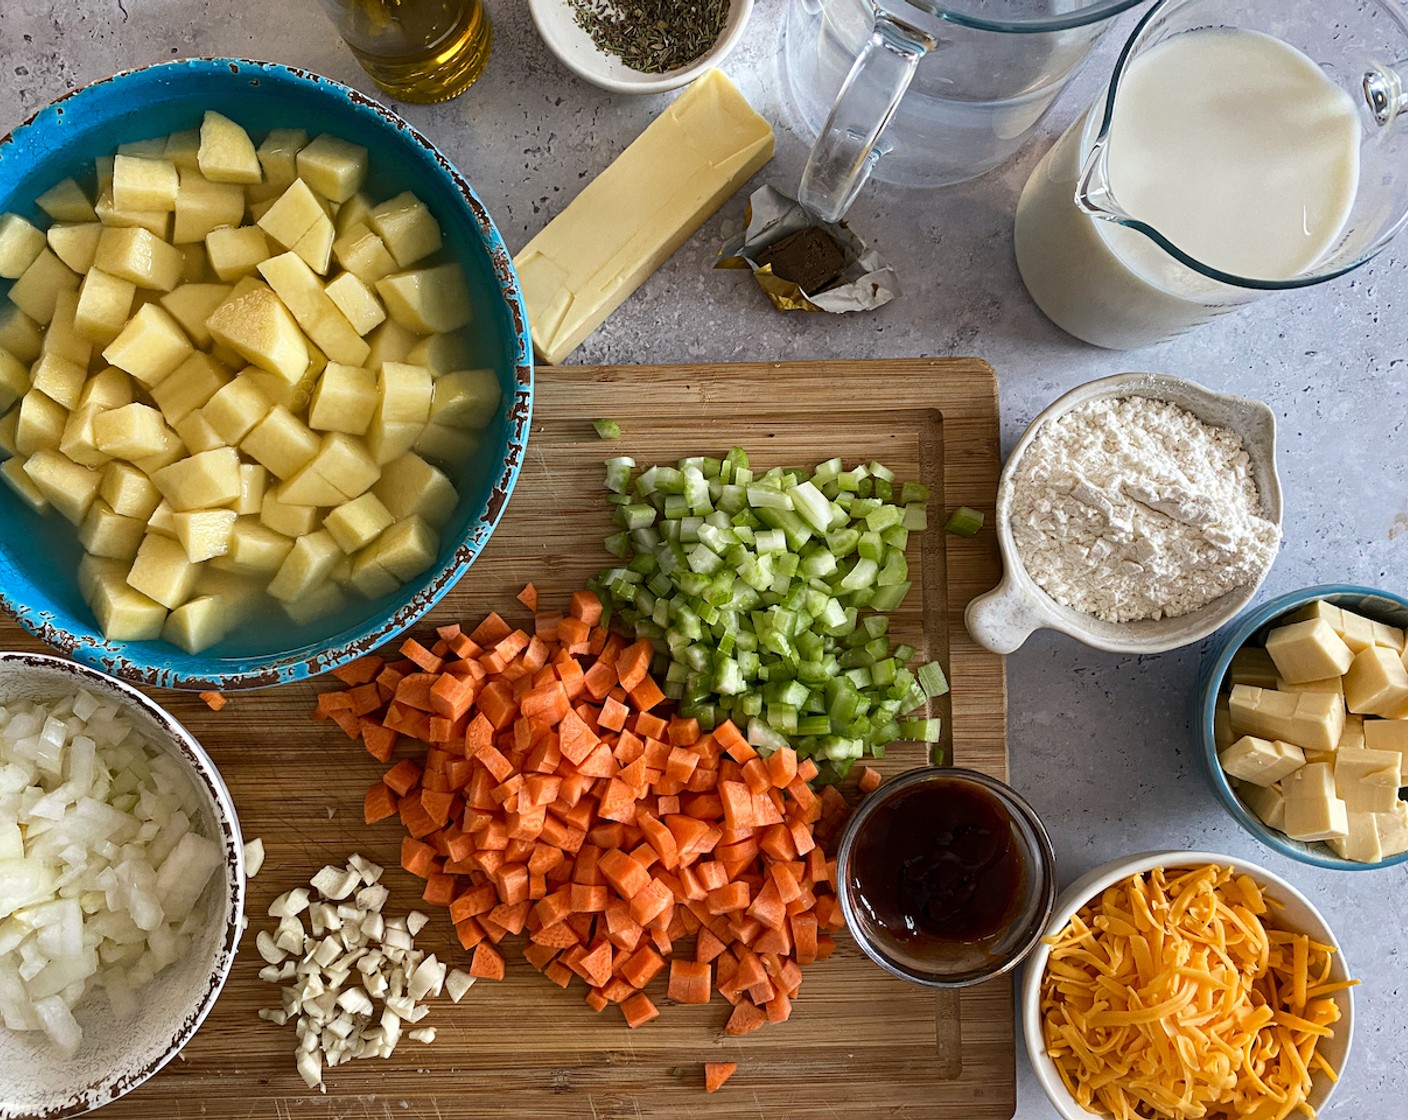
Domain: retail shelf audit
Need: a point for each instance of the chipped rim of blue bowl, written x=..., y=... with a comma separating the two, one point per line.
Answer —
x=264, y=671
x=1215, y=666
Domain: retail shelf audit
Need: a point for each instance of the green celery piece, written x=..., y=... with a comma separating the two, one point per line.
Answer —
x=964, y=521
x=606, y=429
x=931, y=679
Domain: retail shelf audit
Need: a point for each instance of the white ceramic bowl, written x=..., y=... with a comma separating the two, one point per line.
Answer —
x=1297, y=912
x=574, y=48
x=118, y=1055
x=1005, y=617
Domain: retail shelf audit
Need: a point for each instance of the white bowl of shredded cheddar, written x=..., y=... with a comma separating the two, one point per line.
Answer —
x=1181, y=985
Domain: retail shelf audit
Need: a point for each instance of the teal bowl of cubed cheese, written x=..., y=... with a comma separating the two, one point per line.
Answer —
x=265, y=374
x=1301, y=712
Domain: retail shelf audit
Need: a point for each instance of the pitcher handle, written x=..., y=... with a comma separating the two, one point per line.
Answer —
x=845, y=152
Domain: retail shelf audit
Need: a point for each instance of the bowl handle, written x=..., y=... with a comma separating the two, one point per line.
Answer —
x=1004, y=618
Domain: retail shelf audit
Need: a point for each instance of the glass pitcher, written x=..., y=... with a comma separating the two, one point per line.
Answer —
x=1103, y=271
x=926, y=92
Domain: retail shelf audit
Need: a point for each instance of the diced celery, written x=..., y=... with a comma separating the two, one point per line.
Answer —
x=607, y=429
x=931, y=679
x=964, y=522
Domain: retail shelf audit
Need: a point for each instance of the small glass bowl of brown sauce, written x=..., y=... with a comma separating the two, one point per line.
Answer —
x=947, y=877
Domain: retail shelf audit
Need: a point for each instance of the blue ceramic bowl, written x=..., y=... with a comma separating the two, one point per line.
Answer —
x=39, y=555
x=1383, y=606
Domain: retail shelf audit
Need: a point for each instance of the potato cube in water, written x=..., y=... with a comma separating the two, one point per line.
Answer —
x=111, y=389
x=124, y=614
x=407, y=227
x=254, y=481
x=136, y=254
x=198, y=623
x=255, y=549
x=315, y=246
x=466, y=398
x=104, y=305
x=76, y=244
x=204, y=533
x=66, y=202
x=14, y=379
x=41, y=423
x=13, y=473
x=237, y=407
x=411, y=487
x=290, y=520
x=203, y=207
x=66, y=486
x=190, y=385
x=107, y=533
x=79, y=442
x=58, y=379
x=129, y=491
x=357, y=302
x=226, y=153
x=278, y=156
x=209, y=479
x=333, y=167
x=292, y=215
x=235, y=253
x=344, y=400
x=195, y=432
x=140, y=183
x=259, y=328
x=281, y=442
x=362, y=253
x=427, y=300
x=20, y=243
x=307, y=566
x=357, y=523
x=192, y=304
x=37, y=290
x=150, y=346
x=162, y=572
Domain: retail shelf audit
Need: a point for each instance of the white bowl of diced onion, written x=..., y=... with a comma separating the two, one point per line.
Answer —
x=122, y=887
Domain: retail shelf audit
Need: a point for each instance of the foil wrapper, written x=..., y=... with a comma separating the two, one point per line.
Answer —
x=866, y=282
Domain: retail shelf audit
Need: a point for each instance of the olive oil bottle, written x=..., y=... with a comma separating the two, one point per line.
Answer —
x=421, y=51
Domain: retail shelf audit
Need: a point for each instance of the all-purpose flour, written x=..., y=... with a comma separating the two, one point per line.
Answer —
x=1133, y=508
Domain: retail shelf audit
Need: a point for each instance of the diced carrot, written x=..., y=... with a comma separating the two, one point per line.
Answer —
x=745, y=1019
x=528, y=597
x=638, y=1010
x=869, y=779
x=646, y=695
x=379, y=803
x=488, y=963
x=402, y=777
x=439, y=889
x=689, y=981
x=414, y=651
x=716, y=1073
x=361, y=671
x=585, y=606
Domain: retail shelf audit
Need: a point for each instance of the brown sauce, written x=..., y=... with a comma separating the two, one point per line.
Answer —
x=939, y=866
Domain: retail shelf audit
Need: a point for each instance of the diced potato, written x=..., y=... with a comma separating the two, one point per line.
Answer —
x=276, y=389
x=226, y=153
x=78, y=441
x=363, y=253
x=291, y=521
x=444, y=444
x=411, y=487
x=183, y=149
x=66, y=202
x=76, y=244
x=278, y=156
x=93, y=569
x=107, y=533
x=407, y=228
x=153, y=147
x=315, y=246
x=206, y=480
x=59, y=379
x=333, y=167
x=19, y=334
x=368, y=577
x=12, y=471
x=427, y=300
x=197, y=624
x=162, y=522
x=190, y=386
x=388, y=440
x=172, y=450
x=20, y=244
x=260, y=329
x=128, y=491
x=150, y=347
x=236, y=408
x=37, y=290
x=41, y=424
x=102, y=167
x=281, y=442
x=344, y=400
x=357, y=302
x=135, y=254
x=341, y=470
x=442, y=353
x=144, y=184
x=355, y=210
x=124, y=614
x=405, y=391
x=110, y=388
x=155, y=222
x=302, y=293
x=204, y=533
x=9, y=429
x=255, y=549
x=327, y=599
x=306, y=567
x=404, y=550
x=355, y=524
x=104, y=305
x=235, y=253
x=196, y=433
x=192, y=304
x=162, y=572
x=254, y=482
x=14, y=379
x=62, y=338
x=203, y=207
x=292, y=214
x=66, y=486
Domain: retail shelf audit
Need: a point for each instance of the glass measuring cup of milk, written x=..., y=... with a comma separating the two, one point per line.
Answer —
x=1239, y=150
x=927, y=92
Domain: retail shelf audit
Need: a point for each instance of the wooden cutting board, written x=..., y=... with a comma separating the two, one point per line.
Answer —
x=859, y=1043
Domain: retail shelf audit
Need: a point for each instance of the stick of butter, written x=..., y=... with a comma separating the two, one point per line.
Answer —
x=630, y=218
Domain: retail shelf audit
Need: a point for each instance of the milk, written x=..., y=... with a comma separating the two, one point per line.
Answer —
x=1233, y=145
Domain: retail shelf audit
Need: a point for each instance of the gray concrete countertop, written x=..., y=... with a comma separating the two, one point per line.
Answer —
x=1099, y=742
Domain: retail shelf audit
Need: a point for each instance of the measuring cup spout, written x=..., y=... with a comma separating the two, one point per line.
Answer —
x=1094, y=195
x=1386, y=90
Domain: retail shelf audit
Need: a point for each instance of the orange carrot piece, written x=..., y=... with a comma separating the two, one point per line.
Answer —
x=716, y=1073
x=403, y=776
x=528, y=597
x=214, y=700
x=869, y=779
x=638, y=1010
x=585, y=606
x=361, y=671
x=745, y=1019
x=689, y=981
x=646, y=695
x=379, y=803
x=487, y=963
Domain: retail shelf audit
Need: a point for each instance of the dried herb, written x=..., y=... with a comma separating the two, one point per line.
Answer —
x=653, y=36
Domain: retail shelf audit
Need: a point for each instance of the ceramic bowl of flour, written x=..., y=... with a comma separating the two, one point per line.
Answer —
x=1005, y=617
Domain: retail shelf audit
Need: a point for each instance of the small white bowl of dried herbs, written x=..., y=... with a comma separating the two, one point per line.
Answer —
x=640, y=46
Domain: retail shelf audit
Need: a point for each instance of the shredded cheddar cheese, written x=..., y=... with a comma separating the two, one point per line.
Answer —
x=1173, y=997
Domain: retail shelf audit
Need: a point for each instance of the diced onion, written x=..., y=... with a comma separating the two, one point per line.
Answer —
x=101, y=868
